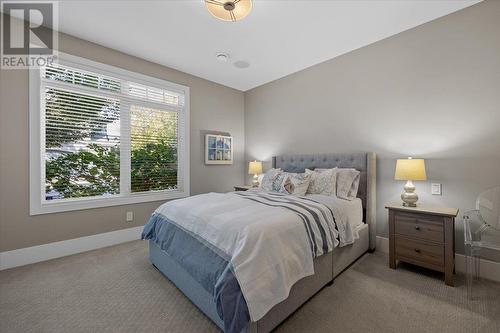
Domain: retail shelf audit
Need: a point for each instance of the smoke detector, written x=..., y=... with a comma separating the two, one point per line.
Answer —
x=241, y=64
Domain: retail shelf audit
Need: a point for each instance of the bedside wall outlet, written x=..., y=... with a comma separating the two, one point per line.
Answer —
x=129, y=217
x=436, y=189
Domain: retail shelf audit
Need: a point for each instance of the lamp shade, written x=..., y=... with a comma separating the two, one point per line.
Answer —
x=410, y=169
x=229, y=10
x=255, y=168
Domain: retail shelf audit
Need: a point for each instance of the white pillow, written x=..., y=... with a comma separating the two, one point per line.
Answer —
x=322, y=181
x=300, y=183
x=347, y=183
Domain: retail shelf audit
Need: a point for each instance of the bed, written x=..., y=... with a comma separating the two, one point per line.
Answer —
x=326, y=265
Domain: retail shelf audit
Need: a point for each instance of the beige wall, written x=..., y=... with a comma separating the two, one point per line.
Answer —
x=432, y=92
x=213, y=108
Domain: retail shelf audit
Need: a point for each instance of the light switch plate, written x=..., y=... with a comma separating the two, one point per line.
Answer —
x=436, y=189
x=130, y=216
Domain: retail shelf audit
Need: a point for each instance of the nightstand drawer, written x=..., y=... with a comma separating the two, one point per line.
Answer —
x=418, y=226
x=421, y=253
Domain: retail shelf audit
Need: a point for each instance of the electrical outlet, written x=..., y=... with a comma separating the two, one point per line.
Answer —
x=130, y=216
x=436, y=189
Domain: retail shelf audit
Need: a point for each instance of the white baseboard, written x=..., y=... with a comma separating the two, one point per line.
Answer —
x=33, y=254
x=382, y=244
x=489, y=269
x=29, y=255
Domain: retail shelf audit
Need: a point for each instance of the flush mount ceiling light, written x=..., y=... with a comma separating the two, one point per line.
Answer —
x=222, y=57
x=229, y=10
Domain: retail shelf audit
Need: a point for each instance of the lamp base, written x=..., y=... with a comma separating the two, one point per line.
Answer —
x=409, y=196
x=255, y=181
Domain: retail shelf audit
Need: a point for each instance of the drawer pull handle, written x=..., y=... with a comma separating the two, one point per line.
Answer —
x=417, y=227
x=417, y=250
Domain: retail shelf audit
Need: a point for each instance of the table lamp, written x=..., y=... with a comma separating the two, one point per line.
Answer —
x=255, y=168
x=410, y=169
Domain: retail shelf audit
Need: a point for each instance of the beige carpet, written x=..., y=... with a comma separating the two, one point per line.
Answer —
x=117, y=290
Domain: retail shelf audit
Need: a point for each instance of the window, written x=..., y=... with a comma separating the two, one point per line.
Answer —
x=103, y=136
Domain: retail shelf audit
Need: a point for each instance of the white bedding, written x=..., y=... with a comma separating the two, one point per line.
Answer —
x=350, y=210
x=268, y=246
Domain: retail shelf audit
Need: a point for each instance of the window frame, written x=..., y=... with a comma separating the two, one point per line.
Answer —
x=38, y=204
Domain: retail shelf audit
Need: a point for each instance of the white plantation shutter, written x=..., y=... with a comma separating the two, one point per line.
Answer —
x=80, y=78
x=154, y=94
x=107, y=136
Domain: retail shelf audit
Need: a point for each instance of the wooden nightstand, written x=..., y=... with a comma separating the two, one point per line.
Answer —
x=242, y=187
x=423, y=236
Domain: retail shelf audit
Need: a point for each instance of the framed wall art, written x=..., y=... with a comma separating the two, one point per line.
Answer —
x=218, y=149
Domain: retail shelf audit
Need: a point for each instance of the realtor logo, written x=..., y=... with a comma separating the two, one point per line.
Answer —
x=29, y=34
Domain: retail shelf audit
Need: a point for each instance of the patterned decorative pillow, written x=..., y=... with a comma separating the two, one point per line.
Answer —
x=347, y=183
x=323, y=181
x=299, y=183
x=282, y=183
x=267, y=181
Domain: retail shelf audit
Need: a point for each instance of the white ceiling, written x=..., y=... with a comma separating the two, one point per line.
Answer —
x=277, y=38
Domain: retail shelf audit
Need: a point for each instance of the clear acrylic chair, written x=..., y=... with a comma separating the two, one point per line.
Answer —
x=481, y=234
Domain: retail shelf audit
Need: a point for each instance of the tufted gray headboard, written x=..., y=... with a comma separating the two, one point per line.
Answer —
x=364, y=162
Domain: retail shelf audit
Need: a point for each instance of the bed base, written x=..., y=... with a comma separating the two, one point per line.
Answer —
x=326, y=268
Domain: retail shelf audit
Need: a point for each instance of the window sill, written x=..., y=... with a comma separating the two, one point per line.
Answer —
x=57, y=206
